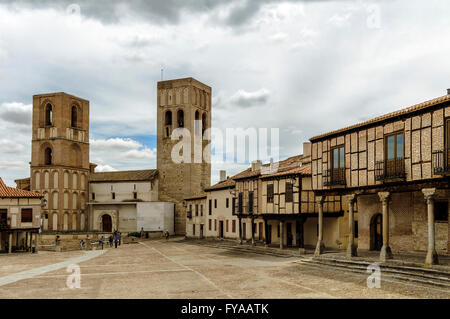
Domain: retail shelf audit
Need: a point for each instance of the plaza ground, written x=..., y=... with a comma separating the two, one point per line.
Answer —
x=185, y=269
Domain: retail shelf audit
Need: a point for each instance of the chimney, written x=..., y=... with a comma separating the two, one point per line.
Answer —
x=223, y=175
x=256, y=165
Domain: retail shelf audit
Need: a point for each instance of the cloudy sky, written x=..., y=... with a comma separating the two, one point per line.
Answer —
x=305, y=67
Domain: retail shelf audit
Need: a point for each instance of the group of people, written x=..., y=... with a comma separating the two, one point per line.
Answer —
x=114, y=239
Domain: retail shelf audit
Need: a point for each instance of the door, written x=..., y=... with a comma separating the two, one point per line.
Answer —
x=376, y=232
x=269, y=234
x=244, y=231
x=201, y=231
x=221, y=229
x=289, y=234
x=106, y=223
x=260, y=234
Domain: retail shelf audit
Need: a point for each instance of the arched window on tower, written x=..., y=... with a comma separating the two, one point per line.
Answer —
x=74, y=117
x=180, y=118
x=48, y=114
x=168, y=124
x=197, y=122
x=203, y=123
x=48, y=156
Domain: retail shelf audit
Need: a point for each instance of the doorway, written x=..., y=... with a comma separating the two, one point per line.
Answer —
x=376, y=232
x=244, y=231
x=221, y=229
x=269, y=234
x=260, y=231
x=289, y=234
x=201, y=231
x=106, y=224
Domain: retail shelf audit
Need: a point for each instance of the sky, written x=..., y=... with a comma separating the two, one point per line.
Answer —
x=303, y=67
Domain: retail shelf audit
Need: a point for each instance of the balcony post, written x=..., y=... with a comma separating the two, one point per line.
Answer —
x=432, y=256
x=240, y=229
x=281, y=234
x=320, y=247
x=386, y=252
x=351, y=248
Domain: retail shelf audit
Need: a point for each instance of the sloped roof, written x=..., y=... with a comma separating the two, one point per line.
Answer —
x=221, y=185
x=6, y=192
x=300, y=170
x=199, y=196
x=414, y=108
x=123, y=176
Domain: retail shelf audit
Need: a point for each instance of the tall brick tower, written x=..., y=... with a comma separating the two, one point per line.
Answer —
x=60, y=159
x=180, y=103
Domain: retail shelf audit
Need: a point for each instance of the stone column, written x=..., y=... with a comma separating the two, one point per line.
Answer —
x=351, y=248
x=386, y=252
x=281, y=234
x=10, y=243
x=31, y=242
x=35, y=242
x=432, y=256
x=320, y=247
x=240, y=230
x=253, y=231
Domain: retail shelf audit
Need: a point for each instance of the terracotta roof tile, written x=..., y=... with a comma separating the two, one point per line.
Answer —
x=6, y=192
x=140, y=175
x=199, y=196
x=404, y=111
x=221, y=185
x=300, y=170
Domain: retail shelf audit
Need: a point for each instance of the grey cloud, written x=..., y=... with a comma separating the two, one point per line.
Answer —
x=16, y=113
x=247, y=99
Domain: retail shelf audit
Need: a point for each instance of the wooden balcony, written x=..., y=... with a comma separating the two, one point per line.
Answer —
x=4, y=226
x=334, y=177
x=390, y=170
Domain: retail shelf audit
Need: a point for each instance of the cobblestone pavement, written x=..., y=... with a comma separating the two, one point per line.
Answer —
x=175, y=269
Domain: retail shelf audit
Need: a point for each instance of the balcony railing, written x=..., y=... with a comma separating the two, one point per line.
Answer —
x=390, y=169
x=334, y=177
x=440, y=163
x=4, y=225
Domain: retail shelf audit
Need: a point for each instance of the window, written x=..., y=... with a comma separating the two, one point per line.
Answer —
x=113, y=195
x=197, y=122
x=196, y=209
x=190, y=208
x=210, y=207
x=180, y=118
x=168, y=123
x=27, y=215
x=93, y=196
x=201, y=210
x=394, y=147
x=240, y=199
x=193, y=229
x=338, y=157
x=48, y=156
x=227, y=226
x=48, y=115
x=227, y=203
x=233, y=204
x=74, y=116
x=215, y=224
x=134, y=195
x=441, y=211
x=3, y=216
x=250, y=202
x=233, y=226
x=203, y=123
x=278, y=230
x=270, y=193
x=215, y=203
x=289, y=197
x=210, y=224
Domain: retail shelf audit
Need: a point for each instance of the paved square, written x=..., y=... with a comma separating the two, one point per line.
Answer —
x=177, y=269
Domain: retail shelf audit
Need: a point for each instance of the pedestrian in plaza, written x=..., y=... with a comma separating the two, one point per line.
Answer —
x=167, y=235
x=120, y=238
x=110, y=241
x=81, y=244
x=100, y=241
x=116, y=240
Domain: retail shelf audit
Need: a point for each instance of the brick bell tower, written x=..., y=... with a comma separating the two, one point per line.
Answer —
x=180, y=103
x=60, y=159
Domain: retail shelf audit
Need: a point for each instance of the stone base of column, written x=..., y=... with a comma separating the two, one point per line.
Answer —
x=253, y=242
x=352, y=251
x=386, y=253
x=432, y=258
x=320, y=248
x=302, y=251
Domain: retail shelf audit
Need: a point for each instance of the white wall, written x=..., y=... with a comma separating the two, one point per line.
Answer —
x=146, y=191
x=156, y=216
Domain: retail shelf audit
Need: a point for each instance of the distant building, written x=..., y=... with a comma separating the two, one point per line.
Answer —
x=20, y=218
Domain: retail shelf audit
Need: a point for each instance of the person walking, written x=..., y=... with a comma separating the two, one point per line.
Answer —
x=81, y=244
x=110, y=241
x=100, y=241
x=116, y=240
x=167, y=235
